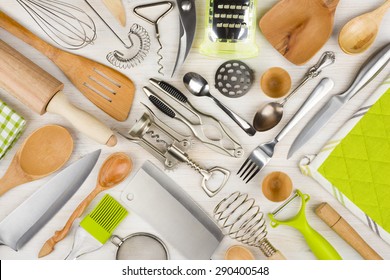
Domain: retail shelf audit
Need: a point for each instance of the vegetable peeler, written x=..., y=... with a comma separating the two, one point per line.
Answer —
x=320, y=247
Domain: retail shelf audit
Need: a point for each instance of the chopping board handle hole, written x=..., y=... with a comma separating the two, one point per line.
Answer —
x=130, y=197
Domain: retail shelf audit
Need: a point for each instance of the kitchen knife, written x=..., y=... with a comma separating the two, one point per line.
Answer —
x=370, y=69
x=26, y=220
x=187, y=14
x=162, y=203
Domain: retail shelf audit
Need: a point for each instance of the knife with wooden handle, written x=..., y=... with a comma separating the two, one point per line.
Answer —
x=116, y=8
x=42, y=93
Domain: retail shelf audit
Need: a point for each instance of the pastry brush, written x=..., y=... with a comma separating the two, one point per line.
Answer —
x=97, y=227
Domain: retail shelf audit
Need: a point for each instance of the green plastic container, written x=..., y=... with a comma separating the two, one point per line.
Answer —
x=230, y=29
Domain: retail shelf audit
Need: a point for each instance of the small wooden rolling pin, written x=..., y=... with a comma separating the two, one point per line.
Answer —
x=345, y=231
x=41, y=92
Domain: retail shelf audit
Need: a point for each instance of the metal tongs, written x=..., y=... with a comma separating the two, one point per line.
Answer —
x=170, y=148
x=225, y=144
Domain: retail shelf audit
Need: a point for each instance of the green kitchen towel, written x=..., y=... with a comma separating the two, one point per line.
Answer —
x=354, y=165
x=11, y=127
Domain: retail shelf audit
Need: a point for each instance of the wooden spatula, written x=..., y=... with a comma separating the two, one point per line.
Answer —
x=298, y=29
x=116, y=8
x=42, y=93
x=107, y=88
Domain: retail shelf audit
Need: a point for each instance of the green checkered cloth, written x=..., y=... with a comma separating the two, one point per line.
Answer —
x=11, y=127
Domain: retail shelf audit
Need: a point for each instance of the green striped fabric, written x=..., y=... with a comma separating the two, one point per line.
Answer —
x=11, y=127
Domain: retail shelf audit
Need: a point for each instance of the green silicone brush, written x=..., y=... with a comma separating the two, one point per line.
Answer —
x=97, y=227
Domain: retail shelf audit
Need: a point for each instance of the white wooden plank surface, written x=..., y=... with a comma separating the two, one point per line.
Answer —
x=289, y=241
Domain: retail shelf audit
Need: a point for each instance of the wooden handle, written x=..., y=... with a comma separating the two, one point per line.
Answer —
x=116, y=8
x=81, y=120
x=14, y=176
x=277, y=256
x=48, y=247
x=25, y=80
x=331, y=4
x=345, y=231
x=27, y=36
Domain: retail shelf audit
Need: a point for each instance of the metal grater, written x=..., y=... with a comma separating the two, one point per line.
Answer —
x=230, y=19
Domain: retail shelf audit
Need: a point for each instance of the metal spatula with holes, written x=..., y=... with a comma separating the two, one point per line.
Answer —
x=107, y=88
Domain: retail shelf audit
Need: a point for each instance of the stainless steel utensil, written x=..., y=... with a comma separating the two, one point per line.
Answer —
x=271, y=114
x=26, y=220
x=260, y=156
x=180, y=222
x=222, y=141
x=187, y=14
x=241, y=219
x=67, y=25
x=198, y=86
x=170, y=148
x=155, y=23
x=140, y=246
x=370, y=69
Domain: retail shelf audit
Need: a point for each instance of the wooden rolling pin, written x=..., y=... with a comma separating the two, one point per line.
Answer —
x=41, y=92
x=345, y=231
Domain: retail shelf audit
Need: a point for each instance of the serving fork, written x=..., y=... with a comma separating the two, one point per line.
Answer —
x=262, y=154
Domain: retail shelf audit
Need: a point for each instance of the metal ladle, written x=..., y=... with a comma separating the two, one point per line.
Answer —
x=198, y=86
x=271, y=114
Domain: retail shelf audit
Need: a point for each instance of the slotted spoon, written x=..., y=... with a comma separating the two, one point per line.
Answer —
x=107, y=88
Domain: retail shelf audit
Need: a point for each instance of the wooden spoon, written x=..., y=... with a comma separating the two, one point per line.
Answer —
x=113, y=171
x=45, y=151
x=359, y=33
x=238, y=253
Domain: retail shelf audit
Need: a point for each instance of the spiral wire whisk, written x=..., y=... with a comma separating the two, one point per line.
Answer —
x=67, y=25
x=241, y=219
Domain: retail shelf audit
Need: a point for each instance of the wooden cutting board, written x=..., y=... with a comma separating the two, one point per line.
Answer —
x=298, y=29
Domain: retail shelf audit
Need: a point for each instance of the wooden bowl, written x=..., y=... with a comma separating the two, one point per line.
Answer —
x=276, y=82
x=277, y=186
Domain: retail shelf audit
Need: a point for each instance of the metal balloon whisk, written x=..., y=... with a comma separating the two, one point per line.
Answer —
x=241, y=219
x=67, y=25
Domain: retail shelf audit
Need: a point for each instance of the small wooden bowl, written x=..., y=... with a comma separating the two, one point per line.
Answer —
x=276, y=82
x=277, y=186
x=237, y=252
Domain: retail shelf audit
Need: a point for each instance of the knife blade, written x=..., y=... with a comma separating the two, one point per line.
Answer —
x=370, y=69
x=26, y=220
x=177, y=218
x=187, y=14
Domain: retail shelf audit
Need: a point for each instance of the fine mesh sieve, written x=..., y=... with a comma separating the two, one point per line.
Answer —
x=140, y=246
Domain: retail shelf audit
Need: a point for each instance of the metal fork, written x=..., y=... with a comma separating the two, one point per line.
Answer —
x=261, y=155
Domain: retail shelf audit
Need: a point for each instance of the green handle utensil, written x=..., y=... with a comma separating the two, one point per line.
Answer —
x=320, y=247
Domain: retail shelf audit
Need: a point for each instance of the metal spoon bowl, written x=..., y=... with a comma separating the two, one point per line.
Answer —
x=198, y=86
x=268, y=117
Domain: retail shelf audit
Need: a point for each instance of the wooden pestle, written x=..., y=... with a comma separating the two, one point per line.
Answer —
x=345, y=231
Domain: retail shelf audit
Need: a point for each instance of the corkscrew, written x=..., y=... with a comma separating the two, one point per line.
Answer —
x=155, y=24
x=170, y=148
x=242, y=219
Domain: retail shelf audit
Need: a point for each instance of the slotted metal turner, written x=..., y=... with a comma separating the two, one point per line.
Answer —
x=107, y=88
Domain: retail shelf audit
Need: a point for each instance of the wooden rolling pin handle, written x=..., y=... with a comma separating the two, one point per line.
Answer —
x=345, y=231
x=25, y=35
x=81, y=120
